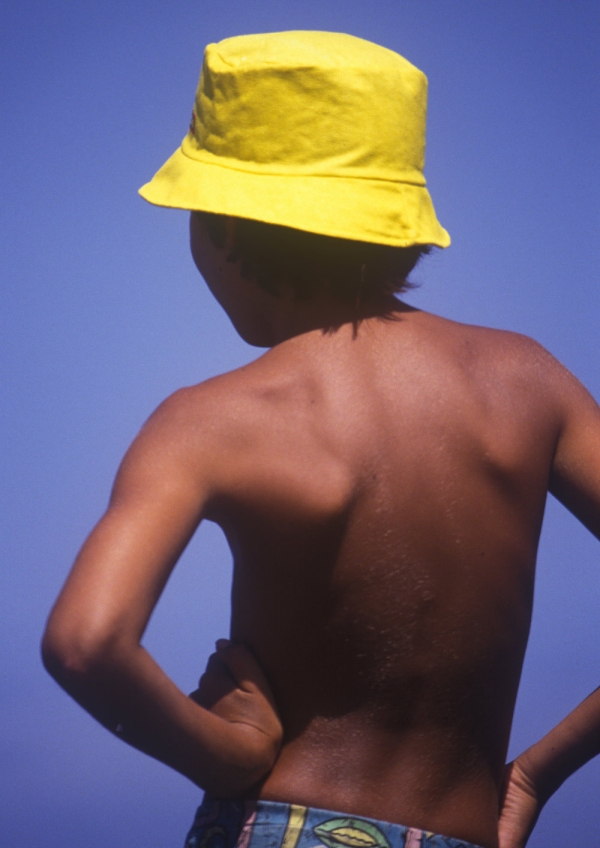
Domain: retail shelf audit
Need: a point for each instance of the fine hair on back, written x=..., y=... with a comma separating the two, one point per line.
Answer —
x=351, y=272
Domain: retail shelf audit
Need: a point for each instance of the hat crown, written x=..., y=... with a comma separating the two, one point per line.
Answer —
x=318, y=131
x=311, y=103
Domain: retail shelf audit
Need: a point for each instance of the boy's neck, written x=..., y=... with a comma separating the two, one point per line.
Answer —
x=286, y=317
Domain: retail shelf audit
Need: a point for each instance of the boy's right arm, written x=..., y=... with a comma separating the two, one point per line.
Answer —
x=92, y=640
x=575, y=481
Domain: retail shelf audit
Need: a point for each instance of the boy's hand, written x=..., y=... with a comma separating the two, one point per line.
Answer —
x=520, y=807
x=234, y=688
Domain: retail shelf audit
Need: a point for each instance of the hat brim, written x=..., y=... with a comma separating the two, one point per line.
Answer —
x=398, y=214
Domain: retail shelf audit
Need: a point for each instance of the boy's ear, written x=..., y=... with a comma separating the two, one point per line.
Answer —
x=231, y=250
x=230, y=232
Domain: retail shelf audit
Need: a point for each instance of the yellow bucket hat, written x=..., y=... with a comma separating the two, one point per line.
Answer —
x=318, y=131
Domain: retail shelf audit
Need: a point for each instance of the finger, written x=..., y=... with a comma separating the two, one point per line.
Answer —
x=245, y=669
x=214, y=666
x=216, y=669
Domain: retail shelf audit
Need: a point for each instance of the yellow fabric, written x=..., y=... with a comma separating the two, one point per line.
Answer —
x=319, y=131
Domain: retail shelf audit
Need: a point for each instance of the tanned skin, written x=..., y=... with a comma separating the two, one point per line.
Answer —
x=382, y=489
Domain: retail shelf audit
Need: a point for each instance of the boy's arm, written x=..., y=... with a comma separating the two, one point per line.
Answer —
x=92, y=639
x=575, y=481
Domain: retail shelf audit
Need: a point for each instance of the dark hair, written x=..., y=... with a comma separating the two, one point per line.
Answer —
x=353, y=272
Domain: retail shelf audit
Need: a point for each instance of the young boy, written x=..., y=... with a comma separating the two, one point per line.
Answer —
x=380, y=474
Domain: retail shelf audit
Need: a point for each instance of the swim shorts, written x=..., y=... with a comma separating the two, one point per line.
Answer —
x=269, y=824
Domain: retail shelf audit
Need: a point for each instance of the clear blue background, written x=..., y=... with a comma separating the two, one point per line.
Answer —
x=102, y=315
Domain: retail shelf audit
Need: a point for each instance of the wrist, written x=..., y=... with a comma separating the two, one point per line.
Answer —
x=239, y=756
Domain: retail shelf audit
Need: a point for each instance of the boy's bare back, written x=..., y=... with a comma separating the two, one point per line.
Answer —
x=383, y=497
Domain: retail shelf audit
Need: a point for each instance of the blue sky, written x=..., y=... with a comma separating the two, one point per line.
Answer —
x=102, y=315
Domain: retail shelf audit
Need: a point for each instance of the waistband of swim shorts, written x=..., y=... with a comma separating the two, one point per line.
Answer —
x=270, y=824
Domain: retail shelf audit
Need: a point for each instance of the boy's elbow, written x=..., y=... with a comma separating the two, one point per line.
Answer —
x=61, y=657
x=73, y=654
x=65, y=657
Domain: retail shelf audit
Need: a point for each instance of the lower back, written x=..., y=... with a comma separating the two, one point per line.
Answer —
x=394, y=654
x=389, y=777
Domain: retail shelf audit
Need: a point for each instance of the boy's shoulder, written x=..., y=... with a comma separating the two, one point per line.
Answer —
x=284, y=378
x=263, y=428
x=251, y=435
x=235, y=413
x=240, y=394
x=245, y=406
x=488, y=339
x=494, y=350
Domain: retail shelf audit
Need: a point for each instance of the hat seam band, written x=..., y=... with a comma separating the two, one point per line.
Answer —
x=422, y=184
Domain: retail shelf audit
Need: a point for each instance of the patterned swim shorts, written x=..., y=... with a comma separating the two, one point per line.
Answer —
x=269, y=824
